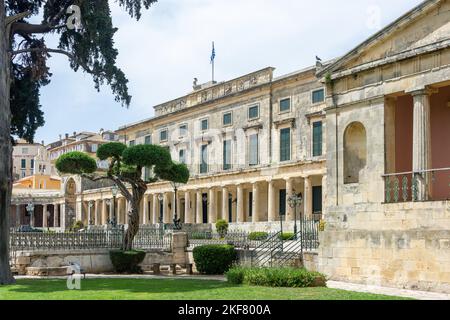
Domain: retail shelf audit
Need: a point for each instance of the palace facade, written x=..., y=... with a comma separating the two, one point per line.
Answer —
x=364, y=138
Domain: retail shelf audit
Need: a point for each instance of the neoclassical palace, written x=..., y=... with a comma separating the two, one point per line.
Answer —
x=364, y=138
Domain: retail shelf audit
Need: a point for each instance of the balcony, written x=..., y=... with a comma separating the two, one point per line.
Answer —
x=426, y=185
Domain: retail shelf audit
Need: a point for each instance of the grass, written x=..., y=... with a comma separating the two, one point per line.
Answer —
x=169, y=289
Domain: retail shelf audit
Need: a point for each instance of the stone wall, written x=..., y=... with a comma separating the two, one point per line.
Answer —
x=398, y=245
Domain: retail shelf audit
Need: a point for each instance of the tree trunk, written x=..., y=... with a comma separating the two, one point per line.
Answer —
x=5, y=153
x=133, y=221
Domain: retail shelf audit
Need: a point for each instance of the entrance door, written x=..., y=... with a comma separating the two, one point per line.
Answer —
x=230, y=208
x=205, y=207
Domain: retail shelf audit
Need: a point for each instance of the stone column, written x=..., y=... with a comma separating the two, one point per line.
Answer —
x=111, y=209
x=324, y=195
x=90, y=204
x=255, y=203
x=188, y=218
x=119, y=211
x=225, y=208
x=63, y=216
x=289, y=191
x=240, y=203
x=199, y=203
x=178, y=201
x=44, y=216
x=166, y=212
x=18, y=215
x=212, y=210
x=145, y=210
x=155, y=214
x=104, y=213
x=127, y=208
x=422, y=141
x=271, y=201
x=79, y=210
x=97, y=219
x=307, y=198
x=56, y=215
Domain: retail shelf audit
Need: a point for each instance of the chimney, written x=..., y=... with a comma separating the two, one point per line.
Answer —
x=60, y=137
x=74, y=133
x=67, y=136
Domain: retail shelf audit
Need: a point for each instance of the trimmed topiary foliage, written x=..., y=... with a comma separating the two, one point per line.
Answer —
x=127, y=261
x=76, y=163
x=214, y=259
x=287, y=236
x=222, y=228
x=276, y=277
x=258, y=235
x=77, y=226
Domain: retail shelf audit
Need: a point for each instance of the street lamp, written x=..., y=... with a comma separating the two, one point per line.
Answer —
x=90, y=204
x=30, y=210
x=160, y=198
x=114, y=191
x=176, y=220
x=294, y=201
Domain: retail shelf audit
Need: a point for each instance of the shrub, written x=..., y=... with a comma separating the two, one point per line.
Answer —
x=77, y=226
x=222, y=228
x=200, y=235
x=214, y=259
x=287, y=236
x=258, y=235
x=276, y=277
x=127, y=261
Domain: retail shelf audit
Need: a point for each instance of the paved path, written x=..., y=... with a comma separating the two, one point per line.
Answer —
x=421, y=295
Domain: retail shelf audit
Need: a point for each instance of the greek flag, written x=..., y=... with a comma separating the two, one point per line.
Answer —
x=213, y=53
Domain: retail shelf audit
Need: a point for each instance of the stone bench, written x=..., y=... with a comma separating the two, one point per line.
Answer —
x=156, y=268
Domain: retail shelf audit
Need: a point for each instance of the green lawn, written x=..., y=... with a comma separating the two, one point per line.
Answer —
x=168, y=289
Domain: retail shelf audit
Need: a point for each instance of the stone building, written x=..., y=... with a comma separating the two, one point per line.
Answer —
x=388, y=155
x=30, y=159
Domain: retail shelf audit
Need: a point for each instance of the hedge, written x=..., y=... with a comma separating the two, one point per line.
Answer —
x=127, y=261
x=276, y=277
x=214, y=259
x=258, y=235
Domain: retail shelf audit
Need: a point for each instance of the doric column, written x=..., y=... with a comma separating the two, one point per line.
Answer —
x=255, y=203
x=166, y=212
x=289, y=191
x=307, y=198
x=104, y=213
x=56, y=215
x=127, y=209
x=324, y=195
x=188, y=217
x=97, y=217
x=422, y=141
x=240, y=203
x=225, y=208
x=271, y=201
x=90, y=205
x=18, y=215
x=63, y=216
x=79, y=209
x=119, y=211
x=212, y=210
x=199, y=203
x=111, y=209
x=155, y=213
x=179, y=213
x=44, y=216
x=145, y=210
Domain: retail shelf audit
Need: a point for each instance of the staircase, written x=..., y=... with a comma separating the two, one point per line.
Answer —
x=263, y=255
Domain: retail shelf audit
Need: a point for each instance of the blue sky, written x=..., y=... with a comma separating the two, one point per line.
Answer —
x=171, y=44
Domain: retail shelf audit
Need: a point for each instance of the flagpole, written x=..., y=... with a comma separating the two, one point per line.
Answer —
x=213, y=65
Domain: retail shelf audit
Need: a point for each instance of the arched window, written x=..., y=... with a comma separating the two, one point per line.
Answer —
x=355, y=151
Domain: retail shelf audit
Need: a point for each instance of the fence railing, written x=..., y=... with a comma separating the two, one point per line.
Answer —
x=239, y=239
x=405, y=186
x=87, y=240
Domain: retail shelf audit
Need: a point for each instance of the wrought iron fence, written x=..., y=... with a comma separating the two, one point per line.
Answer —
x=404, y=187
x=239, y=239
x=92, y=239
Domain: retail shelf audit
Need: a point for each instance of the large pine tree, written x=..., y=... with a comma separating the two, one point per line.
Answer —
x=24, y=70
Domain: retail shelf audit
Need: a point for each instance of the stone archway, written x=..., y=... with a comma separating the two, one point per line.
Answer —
x=355, y=152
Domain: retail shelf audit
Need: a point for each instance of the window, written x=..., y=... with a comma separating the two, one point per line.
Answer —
x=183, y=130
x=253, y=158
x=163, y=135
x=148, y=140
x=23, y=163
x=318, y=96
x=32, y=163
x=204, y=124
x=182, y=156
x=132, y=143
x=317, y=199
x=285, y=105
x=253, y=112
x=226, y=154
x=146, y=174
x=317, y=139
x=204, y=159
x=94, y=147
x=227, y=119
x=285, y=144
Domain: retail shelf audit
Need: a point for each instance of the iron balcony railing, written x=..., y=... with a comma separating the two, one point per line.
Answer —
x=404, y=186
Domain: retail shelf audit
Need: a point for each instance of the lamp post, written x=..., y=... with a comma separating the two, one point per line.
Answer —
x=30, y=210
x=114, y=191
x=176, y=220
x=294, y=201
x=90, y=205
x=160, y=216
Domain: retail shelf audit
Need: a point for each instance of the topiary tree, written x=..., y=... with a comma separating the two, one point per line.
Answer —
x=222, y=227
x=176, y=174
x=125, y=170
